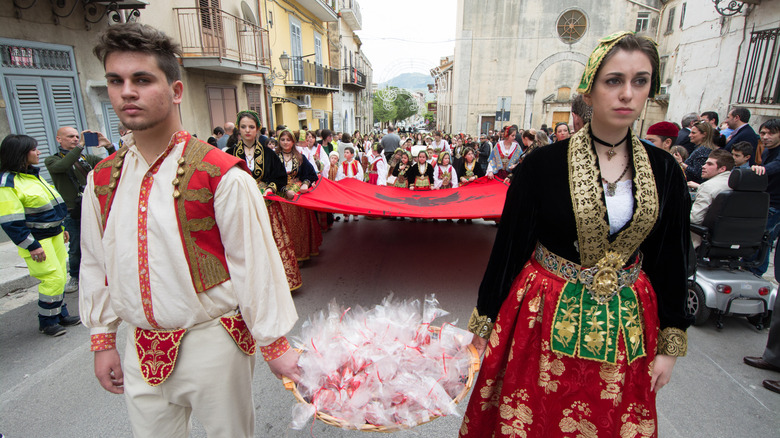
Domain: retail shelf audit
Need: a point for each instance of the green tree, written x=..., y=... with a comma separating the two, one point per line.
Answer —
x=384, y=105
x=405, y=106
x=430, y=119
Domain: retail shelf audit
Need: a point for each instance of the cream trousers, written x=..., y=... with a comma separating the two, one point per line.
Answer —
x=212, y=378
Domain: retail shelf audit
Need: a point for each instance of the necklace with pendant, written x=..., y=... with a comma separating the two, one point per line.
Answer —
x=611, y=152
x=612, y=186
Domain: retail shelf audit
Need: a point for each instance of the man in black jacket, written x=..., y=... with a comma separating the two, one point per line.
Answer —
x=484, y=151
x=737, y=120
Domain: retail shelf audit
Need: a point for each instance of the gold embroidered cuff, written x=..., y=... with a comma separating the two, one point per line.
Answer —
x=480, y=325
x=672, y=342
x=276, y=349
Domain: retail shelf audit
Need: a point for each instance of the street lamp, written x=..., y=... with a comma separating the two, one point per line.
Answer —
x=285, y=61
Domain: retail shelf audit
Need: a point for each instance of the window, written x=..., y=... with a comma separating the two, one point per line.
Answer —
x=761, y=85
x=254, y=98
x=670, y=21
x=564, y=94
x=222, y=104
x=642, y=21
x=662, y=68
x=572, y=25
x=682, y=14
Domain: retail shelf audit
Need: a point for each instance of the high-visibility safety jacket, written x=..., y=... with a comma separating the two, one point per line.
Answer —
x=30, y=208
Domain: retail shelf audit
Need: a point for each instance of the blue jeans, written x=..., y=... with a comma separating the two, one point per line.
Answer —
x=773, y=226
x=73, y=227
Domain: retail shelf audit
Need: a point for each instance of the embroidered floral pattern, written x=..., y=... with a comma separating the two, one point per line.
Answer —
x=549, y=366
x=517, y=415
x=613, y=377
x=157, y=353
x=237, y=329
x=103, y=341
x=637, y=422
x=576, y=420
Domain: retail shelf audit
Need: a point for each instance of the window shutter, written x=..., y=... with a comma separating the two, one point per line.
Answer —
x=31, y=115
x=112, y=122
x=62, y=98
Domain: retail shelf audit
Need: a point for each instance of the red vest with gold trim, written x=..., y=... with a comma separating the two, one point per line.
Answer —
x=200, y=170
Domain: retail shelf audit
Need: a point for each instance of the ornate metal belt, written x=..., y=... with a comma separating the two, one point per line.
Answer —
x=602, y=281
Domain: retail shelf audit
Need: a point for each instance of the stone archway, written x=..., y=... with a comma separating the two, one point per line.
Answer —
x=530, y=90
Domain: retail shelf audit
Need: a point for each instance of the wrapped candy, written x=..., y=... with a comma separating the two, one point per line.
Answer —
x=385, y=367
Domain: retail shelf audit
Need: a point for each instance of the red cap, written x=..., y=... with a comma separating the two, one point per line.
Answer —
x=664, y=129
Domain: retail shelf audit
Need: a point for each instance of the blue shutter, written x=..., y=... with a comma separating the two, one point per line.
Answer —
x=31, y=113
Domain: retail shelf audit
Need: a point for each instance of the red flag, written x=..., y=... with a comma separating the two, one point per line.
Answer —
x=482, y=198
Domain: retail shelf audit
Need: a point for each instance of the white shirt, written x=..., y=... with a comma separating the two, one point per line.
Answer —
x=257, y=286
x=443, y=145
x=505, y=151
x=310, y=155
x=341, y=175
x=381, y=168
x=438, y=174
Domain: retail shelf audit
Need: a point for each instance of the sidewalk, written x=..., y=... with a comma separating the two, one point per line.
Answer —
x=13, y=271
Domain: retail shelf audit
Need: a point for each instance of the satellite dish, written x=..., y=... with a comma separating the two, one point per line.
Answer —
x=249, y=15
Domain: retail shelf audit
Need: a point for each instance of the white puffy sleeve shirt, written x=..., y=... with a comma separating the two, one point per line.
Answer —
x=109, y=278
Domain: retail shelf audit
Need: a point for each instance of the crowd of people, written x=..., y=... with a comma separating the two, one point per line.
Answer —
x=613, y=291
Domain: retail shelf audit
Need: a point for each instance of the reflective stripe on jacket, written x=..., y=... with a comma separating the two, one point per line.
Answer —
x=30, y=208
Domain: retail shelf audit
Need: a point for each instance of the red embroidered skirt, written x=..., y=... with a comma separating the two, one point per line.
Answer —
x=525, y=389
x=285, y=245
x=305, y=231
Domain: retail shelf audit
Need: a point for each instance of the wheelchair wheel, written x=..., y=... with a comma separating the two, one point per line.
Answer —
x=696, y=304
x=759, y=321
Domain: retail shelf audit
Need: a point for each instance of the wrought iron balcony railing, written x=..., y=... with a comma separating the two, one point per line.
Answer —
x=309, y=74
x=353, y=77
x=761, y=75
x=214, y=33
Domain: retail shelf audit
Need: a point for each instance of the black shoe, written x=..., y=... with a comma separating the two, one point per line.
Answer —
x=53, y=330
x=67, y=321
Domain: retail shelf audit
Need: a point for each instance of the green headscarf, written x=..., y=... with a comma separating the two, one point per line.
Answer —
x=601, y=51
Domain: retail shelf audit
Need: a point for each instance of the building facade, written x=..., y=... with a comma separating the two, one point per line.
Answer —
x=521, y=61
x=352, y=104
x=442, y=76
x=714, y=61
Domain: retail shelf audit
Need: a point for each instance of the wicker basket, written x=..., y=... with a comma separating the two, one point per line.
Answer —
x=338, y=422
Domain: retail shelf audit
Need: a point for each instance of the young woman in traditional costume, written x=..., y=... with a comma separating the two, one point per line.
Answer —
x=303, y=225
x=315, y=154
x=269, y=173
x=401, y=169
x=420, y=176
x=444, y=175
x=469, y=169
x=504, y=157
x=583, y=300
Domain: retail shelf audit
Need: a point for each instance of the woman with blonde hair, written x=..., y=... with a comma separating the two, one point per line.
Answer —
x=701, y=135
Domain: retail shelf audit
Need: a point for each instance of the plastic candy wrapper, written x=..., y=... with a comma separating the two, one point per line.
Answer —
x=384, y=366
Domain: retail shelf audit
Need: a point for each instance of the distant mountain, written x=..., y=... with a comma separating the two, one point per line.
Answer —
x=410, y=81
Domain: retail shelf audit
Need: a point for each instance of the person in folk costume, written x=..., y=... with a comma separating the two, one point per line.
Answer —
x=504, y=157
x=303, y=225
x=469, y=169
x=420, y=176
x=350, y=168
x=315, y=153
x=606, y=261
x=439, y=144
x=401, y=169
x=333, y=168
x=178, y=247
x=444, y=175
x=267, y=169
x=377, y=166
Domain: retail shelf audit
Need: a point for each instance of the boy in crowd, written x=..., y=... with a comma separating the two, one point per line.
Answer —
x=350, y=168
x=742, y=153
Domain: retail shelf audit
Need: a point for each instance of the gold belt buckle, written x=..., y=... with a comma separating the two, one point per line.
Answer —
x=603, y=281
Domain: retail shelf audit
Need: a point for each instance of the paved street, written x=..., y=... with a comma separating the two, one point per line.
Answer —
x=47, y=387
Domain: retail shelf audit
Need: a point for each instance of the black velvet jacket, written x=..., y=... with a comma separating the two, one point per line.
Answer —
x=268, y=167
x=538, y=208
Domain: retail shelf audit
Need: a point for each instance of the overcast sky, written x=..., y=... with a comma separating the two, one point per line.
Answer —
x=405, y=36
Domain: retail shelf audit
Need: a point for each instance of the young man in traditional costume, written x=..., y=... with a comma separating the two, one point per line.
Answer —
x=177, y=244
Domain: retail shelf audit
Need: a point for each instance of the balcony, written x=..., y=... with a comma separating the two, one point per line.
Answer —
x=214, y=40
x=350, y=13
x=761, y=77
x=324, y=10
x=309, y=77
x=353, y=78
